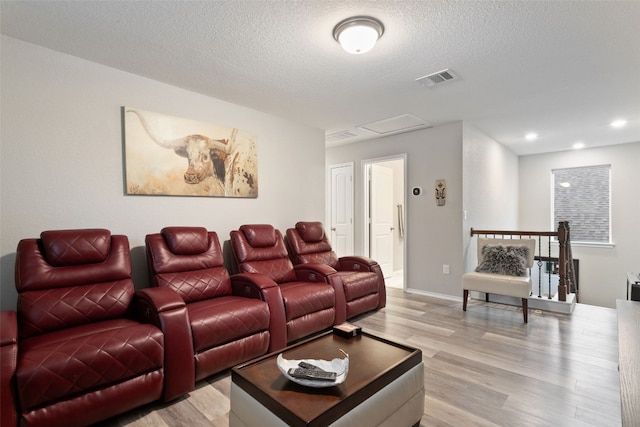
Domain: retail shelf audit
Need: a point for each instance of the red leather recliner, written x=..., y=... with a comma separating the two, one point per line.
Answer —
x=8, y=364
x=83, y=355
x=230, y=320
x=362, y=279
x=308, y=291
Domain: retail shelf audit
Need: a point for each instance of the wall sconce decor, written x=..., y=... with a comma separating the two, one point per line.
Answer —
x=441, y=195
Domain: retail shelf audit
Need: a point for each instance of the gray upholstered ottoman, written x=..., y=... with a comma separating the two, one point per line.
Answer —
x=384, y=387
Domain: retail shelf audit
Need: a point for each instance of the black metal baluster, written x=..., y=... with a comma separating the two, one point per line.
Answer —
x=539, y=266
x=549, y=265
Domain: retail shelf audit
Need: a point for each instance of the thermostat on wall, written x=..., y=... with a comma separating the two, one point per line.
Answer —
x=416, y=191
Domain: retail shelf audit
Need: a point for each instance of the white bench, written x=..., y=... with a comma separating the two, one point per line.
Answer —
x=501, y=284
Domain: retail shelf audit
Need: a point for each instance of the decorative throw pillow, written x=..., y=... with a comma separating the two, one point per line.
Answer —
x=504, y=259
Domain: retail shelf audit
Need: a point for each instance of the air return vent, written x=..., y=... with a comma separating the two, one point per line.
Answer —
x=339, y=136
x=437, y=78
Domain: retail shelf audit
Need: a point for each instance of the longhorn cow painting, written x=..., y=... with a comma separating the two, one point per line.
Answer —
x=171, y=156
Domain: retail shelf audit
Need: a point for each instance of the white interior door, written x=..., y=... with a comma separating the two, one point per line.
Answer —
x=341, y=209
x=382, y=217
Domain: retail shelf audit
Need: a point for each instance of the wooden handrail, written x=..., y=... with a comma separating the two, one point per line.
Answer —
x=565, y=257
x=514, y=233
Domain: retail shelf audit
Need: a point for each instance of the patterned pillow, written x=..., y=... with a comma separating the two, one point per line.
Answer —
x=504, y=259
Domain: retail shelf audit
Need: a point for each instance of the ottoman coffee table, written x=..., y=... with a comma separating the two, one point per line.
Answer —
x=384, y=386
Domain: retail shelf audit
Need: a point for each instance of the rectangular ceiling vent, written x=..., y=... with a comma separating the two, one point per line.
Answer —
x=339, y=136
x=437, y=78
x=403, y=123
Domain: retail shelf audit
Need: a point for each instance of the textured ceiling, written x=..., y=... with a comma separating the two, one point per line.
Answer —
x=562, y=69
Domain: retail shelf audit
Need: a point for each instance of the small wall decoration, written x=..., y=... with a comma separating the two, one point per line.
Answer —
x=441, y=195
x=172, y=156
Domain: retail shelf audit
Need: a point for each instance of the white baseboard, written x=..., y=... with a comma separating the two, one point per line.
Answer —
x=535, y=303
x=434, y=294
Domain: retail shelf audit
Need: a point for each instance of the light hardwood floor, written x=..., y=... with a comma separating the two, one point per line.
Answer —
x=484, y=367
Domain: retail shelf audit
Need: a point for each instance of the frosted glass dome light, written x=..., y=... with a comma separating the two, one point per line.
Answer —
x=358, y=34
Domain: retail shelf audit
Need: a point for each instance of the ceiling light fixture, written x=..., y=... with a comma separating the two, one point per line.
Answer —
x=617, y=124
x=358, y=34
x=531, y=136
x=578, y=145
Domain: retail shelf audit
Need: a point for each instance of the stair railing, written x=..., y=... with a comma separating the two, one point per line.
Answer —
x=566, y=266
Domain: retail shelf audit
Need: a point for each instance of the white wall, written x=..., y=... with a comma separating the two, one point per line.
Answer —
x=602, y=269
x=61, y=157
x=490, y=189
x=434, y=235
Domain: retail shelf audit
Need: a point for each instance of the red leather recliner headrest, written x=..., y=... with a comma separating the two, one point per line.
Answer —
x=186, y=240
x=259, y=235
x=311, y=231
x=75, y=247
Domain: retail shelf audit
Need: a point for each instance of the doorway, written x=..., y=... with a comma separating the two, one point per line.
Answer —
x=340, y=208
x=384, y=216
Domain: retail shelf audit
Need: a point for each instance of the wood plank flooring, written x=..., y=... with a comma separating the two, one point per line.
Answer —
x=484, y=367
x=629, y=349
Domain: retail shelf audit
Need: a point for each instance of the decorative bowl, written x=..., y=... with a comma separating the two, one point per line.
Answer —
x=339, y=366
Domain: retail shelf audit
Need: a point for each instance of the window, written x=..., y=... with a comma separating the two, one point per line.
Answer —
x=582, y=196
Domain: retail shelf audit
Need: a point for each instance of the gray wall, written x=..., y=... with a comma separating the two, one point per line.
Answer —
x=434, y=234
x=490, y=189
x=61, y=157
x=602, y=267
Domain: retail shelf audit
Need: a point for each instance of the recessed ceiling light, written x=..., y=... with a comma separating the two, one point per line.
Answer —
x=578, y=145
x=531, y=136
x=619, y=123
x=565, y=184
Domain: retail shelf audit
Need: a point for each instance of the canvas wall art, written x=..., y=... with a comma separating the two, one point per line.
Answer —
x=172, y=156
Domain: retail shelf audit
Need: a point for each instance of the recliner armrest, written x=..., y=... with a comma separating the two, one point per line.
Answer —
x=165, y=309
x=361, y=263
x=356, y=263
x=313, y=272
x=8, y=328
x=152, y=301
x=323, y=273
x=251, y=285
x=255, y=285
x=8, y=364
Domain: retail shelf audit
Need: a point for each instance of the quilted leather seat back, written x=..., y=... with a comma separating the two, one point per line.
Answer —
x=72, y=277
x=260, y=248
x=309, y=244
x=188, y=260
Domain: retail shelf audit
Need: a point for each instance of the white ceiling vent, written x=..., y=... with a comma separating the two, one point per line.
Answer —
x=339, y=136
x=437, y=78
x=398, y=124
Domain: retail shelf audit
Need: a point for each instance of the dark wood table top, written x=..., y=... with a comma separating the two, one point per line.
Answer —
x=373, y=363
